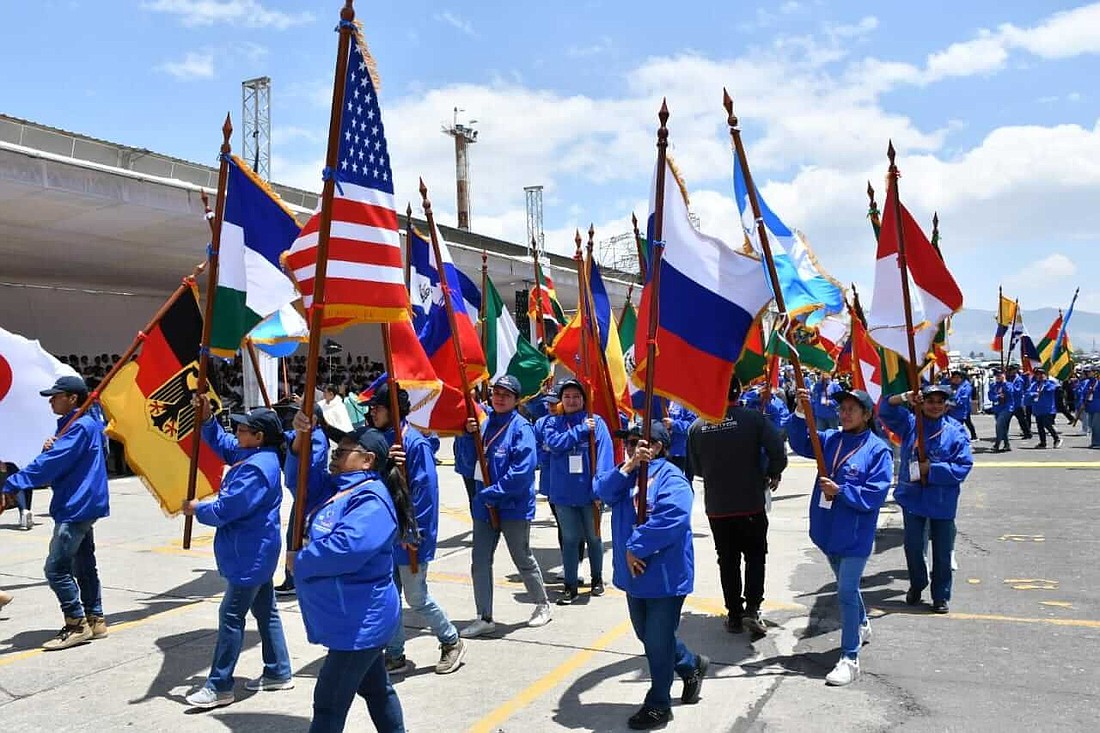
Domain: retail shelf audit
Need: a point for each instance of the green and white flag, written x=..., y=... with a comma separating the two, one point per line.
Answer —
x=256, y=230
x=506, y=351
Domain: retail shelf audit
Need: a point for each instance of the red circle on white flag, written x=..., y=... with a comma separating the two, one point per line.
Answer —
x=5, y=377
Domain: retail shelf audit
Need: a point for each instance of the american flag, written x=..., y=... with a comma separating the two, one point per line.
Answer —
x=365, y=281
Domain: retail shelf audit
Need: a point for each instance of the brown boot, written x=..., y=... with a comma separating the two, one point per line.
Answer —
x=98, y=625
x=76, y=631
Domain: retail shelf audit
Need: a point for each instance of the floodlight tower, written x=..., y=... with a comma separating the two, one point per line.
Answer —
x=256, y=130
x=534, y=217
x=464, y=135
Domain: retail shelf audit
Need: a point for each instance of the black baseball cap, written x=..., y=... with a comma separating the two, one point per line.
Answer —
x=658, y=433
x=509, y=383
x=374, y=441
x=567, y=383
x=858, y=395
x=66, y=385
x=262, y=419
x=381, y=398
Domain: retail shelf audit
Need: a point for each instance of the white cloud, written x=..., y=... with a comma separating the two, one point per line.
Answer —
x=247, y=13
x=600, y=47
x=1038, y=281
x=456, y=22
x=194, y=65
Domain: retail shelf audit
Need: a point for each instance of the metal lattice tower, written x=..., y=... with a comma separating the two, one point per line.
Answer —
x=534, y=217
x=256, y=125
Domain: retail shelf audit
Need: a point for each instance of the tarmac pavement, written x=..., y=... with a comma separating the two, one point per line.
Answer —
x=1016, y=652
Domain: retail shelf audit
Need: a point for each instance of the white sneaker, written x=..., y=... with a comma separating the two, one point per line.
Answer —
x=481, y=627
x=263, y=684
x=207, y=698
x=541, y=616
x=865, y=633
x=845, y=672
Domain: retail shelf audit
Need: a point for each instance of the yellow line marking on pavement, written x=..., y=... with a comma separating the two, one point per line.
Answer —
x=548, y=681
x=1075, y=622
x=974, y=581
x=1031, y=584
x=1022, y=538
x=463, y=515
x=1037, y=464
x=1056, y=604
x=114, y=629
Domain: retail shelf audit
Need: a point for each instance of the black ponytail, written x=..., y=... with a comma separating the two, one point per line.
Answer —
x=402, y=502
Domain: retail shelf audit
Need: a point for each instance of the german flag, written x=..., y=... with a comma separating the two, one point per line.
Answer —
x=149, y=407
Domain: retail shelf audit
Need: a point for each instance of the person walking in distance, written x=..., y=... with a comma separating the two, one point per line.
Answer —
x=960, y=410
x=74, y=465
x=678, y=422
x=844, y=507
x=1040, y=398
x=1002, y=394
x=740, y=459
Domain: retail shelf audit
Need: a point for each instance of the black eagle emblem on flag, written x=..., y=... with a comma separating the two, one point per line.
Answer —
x=169, y=406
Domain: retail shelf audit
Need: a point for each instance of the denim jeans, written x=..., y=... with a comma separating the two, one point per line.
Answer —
x=517, y=535
x=1094, y=428
x=345, y=673
x=236, y=603
x=1003, y=419
x=848, y=572
x=577, y=523
x=655, y=621
x=942, y=534
x=416, y=593
x=71, y=570
x=1045, y=425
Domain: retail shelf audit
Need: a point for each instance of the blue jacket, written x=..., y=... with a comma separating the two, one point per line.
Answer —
x=824, y=404
x=681, y=418
x=1021, y=383
x=862, y=466
x=545, y=474
x=1090, y=394
x=776, y=411
x=566, y=439
x=245, y=510
x=76, y=469
x=511, y=454
x=537, y=407
x=663, y=542
x=344, y=572
x=1003, y=396
x=949, y=457
x=318, y=468
x=424, y=489
x=465, y=455
x=1040, y=397
x=961, y=409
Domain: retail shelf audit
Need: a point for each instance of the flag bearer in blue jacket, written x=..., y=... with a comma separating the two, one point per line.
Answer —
x=824, y=404
x=1020, y=383
x=245, y=513
x=844, y=507
x=963, y=393
x=423, y=483
x=1002, y=395
x=928, y=491
x=1040, y=398
x=678, y=422
x=569, y=463
x=319, y=450
x=345, y=575
x=73, y=464
x=509, y=489
x=1090, y=398
x=654, y=564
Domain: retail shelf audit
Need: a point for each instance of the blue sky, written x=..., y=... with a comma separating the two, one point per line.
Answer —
x=989, y=103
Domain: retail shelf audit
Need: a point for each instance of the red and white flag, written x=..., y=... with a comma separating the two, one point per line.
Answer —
x=365, y=278
x=933, y=293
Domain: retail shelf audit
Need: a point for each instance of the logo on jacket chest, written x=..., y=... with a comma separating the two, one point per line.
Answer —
x=169, y=406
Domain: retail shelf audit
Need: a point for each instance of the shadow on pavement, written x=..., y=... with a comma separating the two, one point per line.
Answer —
x=603, y=716
x=262, y=721
x=185, y=660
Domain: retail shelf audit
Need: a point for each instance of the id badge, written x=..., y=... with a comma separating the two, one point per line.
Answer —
x=824, y=502
x=914, y=471
x=477, y=473
x=576, y=463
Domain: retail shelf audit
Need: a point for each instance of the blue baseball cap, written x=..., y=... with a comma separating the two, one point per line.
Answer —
x=509, y=383
x=66, y=385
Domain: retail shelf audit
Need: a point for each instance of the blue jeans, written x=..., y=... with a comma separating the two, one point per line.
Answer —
x=655, y=622
x=1094, y=429
x=416, y=593
x=345, y=673
x=577, y=523
x=1003, y=419
x=236, y=603
x=848, y=572
x=942, y=534
x=71, y=570
x=517, y=535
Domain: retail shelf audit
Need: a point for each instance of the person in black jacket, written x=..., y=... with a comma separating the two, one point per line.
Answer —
x=740, y=459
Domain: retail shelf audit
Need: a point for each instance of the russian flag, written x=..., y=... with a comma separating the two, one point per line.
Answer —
x=710, y=296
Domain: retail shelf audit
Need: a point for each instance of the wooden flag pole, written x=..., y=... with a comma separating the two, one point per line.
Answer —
x=642, y=270
x=256, y=371
x=903, y=270
x=765, y=245
x=471, y=410
x=656, y=246
x=594, y=333
x=207, y=320
x=586, y=361
x=481, y=318
x=395, y=423
x=1000, y=296
x=316, y=310
x=540, y=325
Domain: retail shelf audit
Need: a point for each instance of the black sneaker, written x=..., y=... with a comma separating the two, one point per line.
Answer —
x=649, y=718
x=912, y=597
x=940, y=607
x=286, y=588
x=568, y=596
x=694, y=683
x=734, y=624
x=597, y=588
x=397, y=666
x=754, y=623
